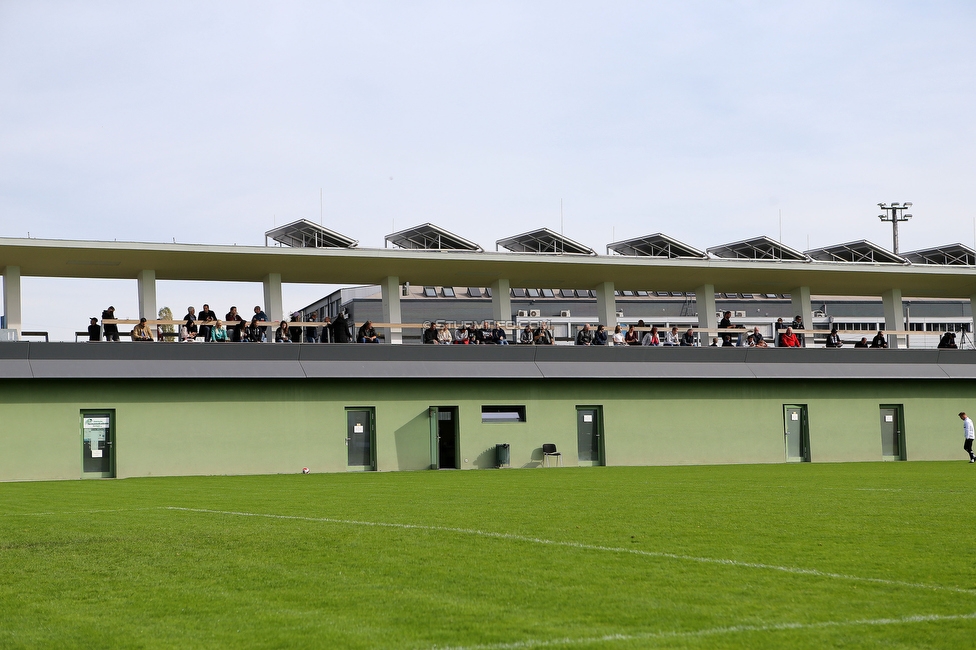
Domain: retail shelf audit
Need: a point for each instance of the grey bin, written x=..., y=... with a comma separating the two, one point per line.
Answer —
x=503, y=455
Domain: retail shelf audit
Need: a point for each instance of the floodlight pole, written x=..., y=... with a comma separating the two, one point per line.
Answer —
x=894, y=213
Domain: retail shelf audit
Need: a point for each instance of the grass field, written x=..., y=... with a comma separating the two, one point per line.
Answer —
x=853, y=555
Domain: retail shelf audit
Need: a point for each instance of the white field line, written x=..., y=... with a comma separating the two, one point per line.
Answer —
x=589, y=547
x=715, y=631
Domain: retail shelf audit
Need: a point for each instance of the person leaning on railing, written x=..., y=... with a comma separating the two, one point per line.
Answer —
x=584, y=336
x=688, y=339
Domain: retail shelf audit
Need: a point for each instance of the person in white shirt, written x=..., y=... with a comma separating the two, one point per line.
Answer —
x=967, y=427
x=671, y=338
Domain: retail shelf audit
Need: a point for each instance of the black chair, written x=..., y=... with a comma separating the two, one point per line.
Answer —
x=549, y=450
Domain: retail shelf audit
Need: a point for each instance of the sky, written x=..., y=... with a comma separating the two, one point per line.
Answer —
x=711, y=122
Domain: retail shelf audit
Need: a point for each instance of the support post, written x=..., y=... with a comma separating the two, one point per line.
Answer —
x=12, y=309
x=147, y=294
x=707, y=319
x=606, y=305
x=894, y=315
x=972, y=309
x=501, y=301
x=272, y=302
x=800, y=299
x=390, y=288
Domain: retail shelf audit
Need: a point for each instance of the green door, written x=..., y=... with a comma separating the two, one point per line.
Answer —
x=360, y=439
x=434, y=438
x=97, y=444
x=588, y=440
x=797, y=437
x=892, y=437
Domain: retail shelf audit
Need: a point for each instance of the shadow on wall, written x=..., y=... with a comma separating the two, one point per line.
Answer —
x=413, y=443
x=488, y=459
x=536, y=458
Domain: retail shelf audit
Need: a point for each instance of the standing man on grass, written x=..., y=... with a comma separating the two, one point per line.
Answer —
x=967, y=427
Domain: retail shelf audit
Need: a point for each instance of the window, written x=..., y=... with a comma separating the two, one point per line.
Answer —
x=584, y=293
x=503, y=414
x=678, y=294
x=731, y=295
x=748, y=295
x=430, y=292
x=547, y=293
x=518, y=293
x=662, y=294
x=770, y=295
x=533, y=293
x=566, y=293
x=628, y=294
x=448, y=292
x=474, y=292
x=488, y=292
x=642, y=294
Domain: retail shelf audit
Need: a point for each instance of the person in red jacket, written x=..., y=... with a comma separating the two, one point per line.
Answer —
x=789, y=339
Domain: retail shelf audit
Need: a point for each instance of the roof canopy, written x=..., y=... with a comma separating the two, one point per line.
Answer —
x=429, y=237
x=544, y=240
x=305, y=234
x=952, y=254
x=855, y=251
x=757, y=248
x=656, y=245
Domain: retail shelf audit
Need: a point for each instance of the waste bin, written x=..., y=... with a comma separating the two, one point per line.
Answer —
x=503, y=455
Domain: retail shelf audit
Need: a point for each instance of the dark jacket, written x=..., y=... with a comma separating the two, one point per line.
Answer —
x=112, y=329
x=584, y=337
x=340, y=330
x=600, y=337
x=95, y=333
x=430, y=336
x=833, y=341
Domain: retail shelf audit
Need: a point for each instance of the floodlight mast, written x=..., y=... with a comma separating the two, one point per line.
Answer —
x=895, y=213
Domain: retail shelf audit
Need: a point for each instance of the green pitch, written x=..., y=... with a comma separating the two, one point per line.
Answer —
x=854, y=555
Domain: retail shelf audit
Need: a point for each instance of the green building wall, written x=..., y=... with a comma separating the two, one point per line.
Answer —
x=194, y=427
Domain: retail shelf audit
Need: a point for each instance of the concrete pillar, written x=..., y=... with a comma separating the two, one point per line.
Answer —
x=800, y=299
x=972, y=309
x=606, y=306
x=272, y=298
x=501, y=301
x=707, y=320
x=390, y=288
x=894, y=317
x=12, y=309
x=147, y=294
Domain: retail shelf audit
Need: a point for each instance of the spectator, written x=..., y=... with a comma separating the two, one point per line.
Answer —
x=253, y=333
x=779, y=326
x=477, y=336
x=863, y=343
x=879, y=341
x=798, y=325
x=263, y=318
x=111, y=329
x=187, y=336
x=585, y=335
x=461, y=335
x=236, y=324
x=94, y=331
x=651, y=338
x=947, y=342
x=671, y=338
x=543, y=336
x=340, y=328
x=618, y=336
x=189, y=322
x=498, y=336
x=757, y=338
x=367, y=334
x=789, y=339
x=600, y=336
x=526, y=335
x=716, y=343
x=207, y=318
x=218, y=333
x=726, y=323
x=444, y=335
x=833, y=339
x=632, y=337
x=283, y=334
x=141, y=332
x=326, y=333
x=688, y=339
x=430, y=335
x=311, y=332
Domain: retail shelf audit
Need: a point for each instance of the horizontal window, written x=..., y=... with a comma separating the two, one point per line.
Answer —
x=503, y=414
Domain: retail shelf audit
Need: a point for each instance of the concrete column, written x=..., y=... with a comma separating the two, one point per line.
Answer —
x=147, y=294
x=800, y=299
x=972, y=308
x=272, y=298
x=12, y=309
x=705, y=303
x=390, y=288
x=501, y=301
x=894, y=317
x=606, y=306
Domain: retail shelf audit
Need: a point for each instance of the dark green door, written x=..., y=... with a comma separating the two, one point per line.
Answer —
x=588, y=435
x=97, y=443
x=892, y=441
x=359, y=438
x=797, y=435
